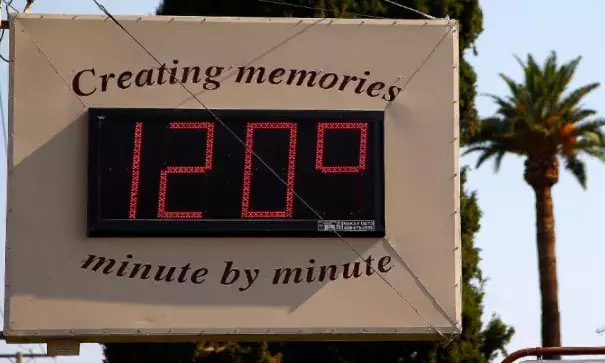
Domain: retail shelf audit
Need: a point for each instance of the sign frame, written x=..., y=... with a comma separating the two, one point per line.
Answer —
x=30, y=304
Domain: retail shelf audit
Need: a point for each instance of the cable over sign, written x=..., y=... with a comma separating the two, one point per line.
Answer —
x=251, y=179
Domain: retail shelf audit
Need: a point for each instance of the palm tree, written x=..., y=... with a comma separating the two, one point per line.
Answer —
x=544, y=122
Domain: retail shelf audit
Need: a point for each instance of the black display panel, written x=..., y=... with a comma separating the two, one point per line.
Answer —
x=180, y=172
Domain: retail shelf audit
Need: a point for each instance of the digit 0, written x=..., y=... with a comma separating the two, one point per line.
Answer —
x=250, y=129
x=322, y=127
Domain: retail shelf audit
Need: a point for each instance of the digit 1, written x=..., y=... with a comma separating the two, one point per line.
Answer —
x=363, y=145
x=162, y=213
x=287, y=212
x=136, y=165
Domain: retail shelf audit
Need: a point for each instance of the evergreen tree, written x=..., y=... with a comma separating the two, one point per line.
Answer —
x=477, y=343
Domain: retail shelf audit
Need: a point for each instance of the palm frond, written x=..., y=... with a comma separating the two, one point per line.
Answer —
x=581, y=114
x=577, y=168
x=514, y=87
x=487, y=154
x=571, y=101
x=498, y=160
x=594, y=152
x=592, y=146
x=473, y=149
x=590, y=128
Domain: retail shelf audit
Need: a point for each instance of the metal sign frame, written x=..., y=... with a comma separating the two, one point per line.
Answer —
x=420, y=299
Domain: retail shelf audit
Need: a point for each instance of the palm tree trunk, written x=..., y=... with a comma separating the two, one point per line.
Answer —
x=547, y=264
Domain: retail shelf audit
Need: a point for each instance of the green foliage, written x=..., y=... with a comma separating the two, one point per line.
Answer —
x=542, y=118
x=148, y=352
x=209, y=352
x=477, y=343
x=203, y=352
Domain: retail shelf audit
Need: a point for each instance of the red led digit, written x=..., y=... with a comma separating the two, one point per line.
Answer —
x=363, y=145
x=162, y=213
x=287, y=212
x=136, y=166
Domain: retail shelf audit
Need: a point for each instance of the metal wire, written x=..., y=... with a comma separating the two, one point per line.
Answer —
x=49, y=61
x=410, y=9
x=8, y=4
x=318, y=8
x=451, y=24
x=109, y=15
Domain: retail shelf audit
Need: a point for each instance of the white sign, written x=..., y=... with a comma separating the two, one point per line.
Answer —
x=64, y=278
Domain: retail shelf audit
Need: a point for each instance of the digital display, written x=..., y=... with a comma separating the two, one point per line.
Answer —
x=181, y=172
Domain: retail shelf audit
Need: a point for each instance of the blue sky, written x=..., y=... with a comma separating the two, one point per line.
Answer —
x=507, y=236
